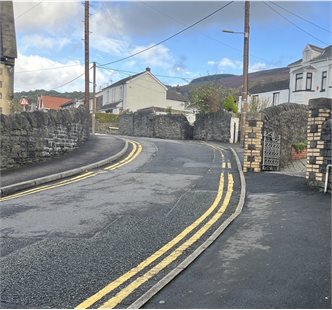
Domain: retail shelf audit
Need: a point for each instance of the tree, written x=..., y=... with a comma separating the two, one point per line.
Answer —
x=208, y=98
x=230, y=104
x=257, y=105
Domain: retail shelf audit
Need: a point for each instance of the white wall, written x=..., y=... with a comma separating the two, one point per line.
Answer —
x=268, y=97
x=316, y=69
x=235, y=124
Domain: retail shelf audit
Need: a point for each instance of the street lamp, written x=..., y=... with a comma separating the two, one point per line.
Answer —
x=244, y=107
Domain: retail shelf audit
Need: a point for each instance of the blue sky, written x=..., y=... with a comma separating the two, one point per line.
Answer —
x=50, y=46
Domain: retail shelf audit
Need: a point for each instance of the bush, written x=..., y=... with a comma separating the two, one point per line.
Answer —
x=230, y=104
x=108, y=118
x=299, y=146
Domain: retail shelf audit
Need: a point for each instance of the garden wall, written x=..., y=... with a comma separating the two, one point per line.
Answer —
x=30, y=137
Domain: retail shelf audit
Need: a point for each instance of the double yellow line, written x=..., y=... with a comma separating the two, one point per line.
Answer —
x=168, y=259
x=137, y=149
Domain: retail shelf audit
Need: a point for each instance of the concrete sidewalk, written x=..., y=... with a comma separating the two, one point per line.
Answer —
x=98, y=150
x=276, y=254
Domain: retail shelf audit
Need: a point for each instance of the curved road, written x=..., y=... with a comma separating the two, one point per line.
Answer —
x=104, y=239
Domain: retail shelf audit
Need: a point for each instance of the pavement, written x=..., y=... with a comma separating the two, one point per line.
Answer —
x=99, y=150
x=276, y=254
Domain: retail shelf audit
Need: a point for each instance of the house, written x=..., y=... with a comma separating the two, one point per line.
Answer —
x=311, y=76
x=140, y=91
x=270, y=93
x=8, y=53
x=72, y=103
x=51, y=103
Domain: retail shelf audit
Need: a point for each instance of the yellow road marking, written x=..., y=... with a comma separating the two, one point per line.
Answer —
x=111, y=303
x=78, y=178
x=223, y=165
x=229, y=166
x=128, y=275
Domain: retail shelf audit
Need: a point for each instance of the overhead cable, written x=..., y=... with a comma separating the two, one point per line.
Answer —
x=298, y=16
x=170, y=37
x=284, y=17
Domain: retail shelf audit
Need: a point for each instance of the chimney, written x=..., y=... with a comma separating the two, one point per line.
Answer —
x=148, y=69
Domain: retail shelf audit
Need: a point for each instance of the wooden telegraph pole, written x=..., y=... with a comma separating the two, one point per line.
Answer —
x=94, y=100
x=86, y=54
x=245, y=70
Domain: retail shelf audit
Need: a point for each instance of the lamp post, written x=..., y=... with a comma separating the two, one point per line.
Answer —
x=244, y=106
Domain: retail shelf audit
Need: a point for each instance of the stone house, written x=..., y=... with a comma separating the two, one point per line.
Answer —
x=8, y=53
x=139, y=91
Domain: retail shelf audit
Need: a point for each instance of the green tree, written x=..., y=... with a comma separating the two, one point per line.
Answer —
x=230, y=104
x=208, y=98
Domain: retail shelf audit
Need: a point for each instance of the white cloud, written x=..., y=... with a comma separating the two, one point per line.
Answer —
x=28, y=78
x=43, y=42
x=259, y=66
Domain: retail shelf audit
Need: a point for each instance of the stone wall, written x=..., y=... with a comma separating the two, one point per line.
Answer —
x=289, y=121
x=37, y=136
x=213, y=126
x=173, y=126
x=319, y=141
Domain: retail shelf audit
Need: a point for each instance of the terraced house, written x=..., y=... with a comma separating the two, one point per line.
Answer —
x=8, y=53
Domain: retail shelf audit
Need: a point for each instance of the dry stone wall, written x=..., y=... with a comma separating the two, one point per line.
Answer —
x=213, y=126
x=171, y=126
x=37, y=136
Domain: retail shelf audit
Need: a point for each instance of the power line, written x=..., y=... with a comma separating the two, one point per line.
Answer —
x=69, y=81
x=284, y=17
x=298, y=16
x=170, y=37
x=28, y=10
x=50, y=68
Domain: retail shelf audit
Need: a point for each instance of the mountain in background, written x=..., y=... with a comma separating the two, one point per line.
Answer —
x=32, y=95
x=255, y=79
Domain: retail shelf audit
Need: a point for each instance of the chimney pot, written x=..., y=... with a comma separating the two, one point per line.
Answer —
x=148, y=69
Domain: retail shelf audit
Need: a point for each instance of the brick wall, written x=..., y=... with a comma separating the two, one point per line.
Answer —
x=319, y=140
x=253, y=142
x=37, y=136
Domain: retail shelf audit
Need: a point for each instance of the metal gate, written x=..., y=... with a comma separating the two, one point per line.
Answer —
x=271, y=151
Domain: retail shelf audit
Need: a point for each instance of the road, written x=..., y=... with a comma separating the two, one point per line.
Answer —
x=106, y=237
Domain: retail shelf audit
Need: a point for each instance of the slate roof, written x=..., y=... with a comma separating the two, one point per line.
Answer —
x=8, y=47
x=174, y=95
x=54, y=103
x=269, y=86
x=326, y=53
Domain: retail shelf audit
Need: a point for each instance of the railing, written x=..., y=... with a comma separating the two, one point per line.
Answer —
x=327, y=177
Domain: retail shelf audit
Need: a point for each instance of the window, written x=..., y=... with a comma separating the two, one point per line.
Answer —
x=1, y=71
x=308, y=84
x=255, y=99
x=298, y=81
x=275, y=99
x=324, y=78
x=0, y=84
x=0, y=95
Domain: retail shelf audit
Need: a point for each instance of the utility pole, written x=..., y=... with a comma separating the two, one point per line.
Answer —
x=245, y=70
x=94, y=100
x=86, y=54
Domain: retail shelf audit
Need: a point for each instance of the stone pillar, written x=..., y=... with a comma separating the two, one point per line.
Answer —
x=253, y=142
x=319, y=140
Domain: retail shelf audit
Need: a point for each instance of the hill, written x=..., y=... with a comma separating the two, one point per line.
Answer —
x=235, y=81
x=33, y=94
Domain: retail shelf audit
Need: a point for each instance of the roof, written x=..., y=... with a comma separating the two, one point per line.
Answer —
x=325, y=53
x=269, y=86
x=125, y=80
x=8, y=47
x=174, y=95
x=53, y=103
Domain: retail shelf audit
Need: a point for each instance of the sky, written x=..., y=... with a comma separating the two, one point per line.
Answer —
x=50, y=43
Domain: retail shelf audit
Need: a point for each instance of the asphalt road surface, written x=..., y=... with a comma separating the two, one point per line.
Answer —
x=104, y=238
